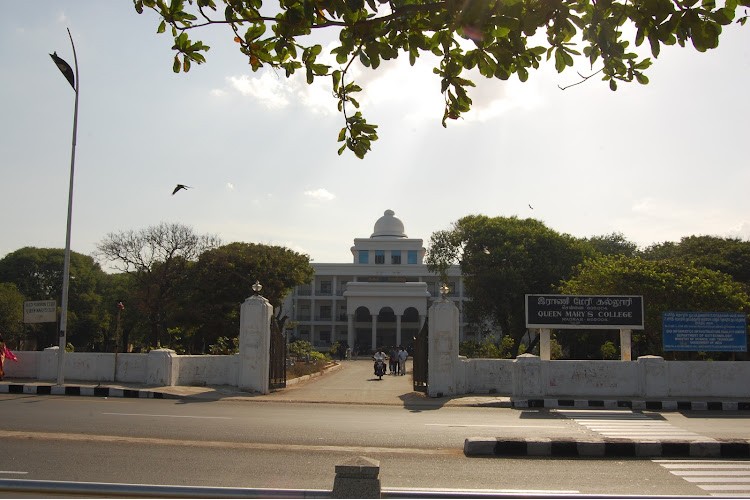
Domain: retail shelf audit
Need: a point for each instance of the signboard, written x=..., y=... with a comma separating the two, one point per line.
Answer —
x=609, y=312
x=39, y=311
x=704, y=331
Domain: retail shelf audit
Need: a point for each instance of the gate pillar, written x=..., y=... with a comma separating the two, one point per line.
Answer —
x=442, y=364
x=255, y=338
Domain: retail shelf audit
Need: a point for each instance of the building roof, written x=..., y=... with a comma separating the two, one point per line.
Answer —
x=388, y=226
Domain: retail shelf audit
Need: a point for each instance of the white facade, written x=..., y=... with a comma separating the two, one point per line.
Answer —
x=379, y=299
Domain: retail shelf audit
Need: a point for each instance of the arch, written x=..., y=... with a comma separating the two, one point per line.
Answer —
x=386, y=315
x=411, y=315
x=362, y=313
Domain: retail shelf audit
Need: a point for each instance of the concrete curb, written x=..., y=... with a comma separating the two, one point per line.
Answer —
x=632, y=404
x=466, y=400
x=588, y=448
x=73, y=390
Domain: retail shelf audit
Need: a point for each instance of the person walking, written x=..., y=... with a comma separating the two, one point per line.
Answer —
x=393, y=360
x=5, y=353
x=402, y=355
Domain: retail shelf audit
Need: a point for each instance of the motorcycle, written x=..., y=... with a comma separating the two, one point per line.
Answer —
x=380, y=369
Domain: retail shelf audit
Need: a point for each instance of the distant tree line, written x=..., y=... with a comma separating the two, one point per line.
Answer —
x=505, y=258
x=173, y=288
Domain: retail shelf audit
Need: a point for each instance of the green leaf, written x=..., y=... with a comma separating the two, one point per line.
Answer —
x=336, y=75
x=176, y=65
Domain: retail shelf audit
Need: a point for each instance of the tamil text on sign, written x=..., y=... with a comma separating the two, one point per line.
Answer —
x=585, y=311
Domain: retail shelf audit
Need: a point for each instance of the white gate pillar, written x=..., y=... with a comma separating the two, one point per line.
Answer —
x=255, y=343
x=442, y=358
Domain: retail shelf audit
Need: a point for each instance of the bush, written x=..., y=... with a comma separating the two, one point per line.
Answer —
x=489, y=347
x=224, y=345
x=300, y=348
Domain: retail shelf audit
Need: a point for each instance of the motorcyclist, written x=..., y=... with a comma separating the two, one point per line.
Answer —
x=379, y=356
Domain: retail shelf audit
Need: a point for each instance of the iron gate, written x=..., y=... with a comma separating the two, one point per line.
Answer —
x=419, y=365
x=277, y=358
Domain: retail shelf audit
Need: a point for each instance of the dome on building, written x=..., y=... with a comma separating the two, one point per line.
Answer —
x=388, y=226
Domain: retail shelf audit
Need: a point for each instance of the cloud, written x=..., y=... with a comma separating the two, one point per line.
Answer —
x=275, y=91
x=741, y=231
x=267, y=89
x=320, y=194
x=395, y=84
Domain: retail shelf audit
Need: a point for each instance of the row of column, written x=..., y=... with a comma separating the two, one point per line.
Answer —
x=350, y=336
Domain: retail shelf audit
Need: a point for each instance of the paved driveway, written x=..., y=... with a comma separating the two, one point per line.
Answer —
x=351, y=382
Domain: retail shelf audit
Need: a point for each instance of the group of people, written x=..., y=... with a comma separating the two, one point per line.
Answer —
x=396, y=359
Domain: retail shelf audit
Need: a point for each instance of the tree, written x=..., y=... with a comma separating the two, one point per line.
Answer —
x=613, y=244
x=11, y=310
x=665, y=285
x=222, y=279
x=728, y=255
x=498, y=38
x=502, y=259
x=37, y=272
x=157, y=258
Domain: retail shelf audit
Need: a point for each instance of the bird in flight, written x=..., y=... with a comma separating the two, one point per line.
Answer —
x=529, y=205
x=180, y=186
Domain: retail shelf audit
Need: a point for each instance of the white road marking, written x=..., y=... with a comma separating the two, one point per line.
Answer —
x=717, y=477
x=164, y=416
x=623, y=424
x=499, y=426
x=488, y=492
x=12, y=472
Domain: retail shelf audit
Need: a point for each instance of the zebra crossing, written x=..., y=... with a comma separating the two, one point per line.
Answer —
x=624, y=424
x=724, y=478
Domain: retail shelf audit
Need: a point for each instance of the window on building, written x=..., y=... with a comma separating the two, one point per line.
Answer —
x=395, y=257
x=304, y=312
x=411, y=256
x=379, y=256
x=325, y=312
x=364, y=257
x=325, y=338
x=326, y=287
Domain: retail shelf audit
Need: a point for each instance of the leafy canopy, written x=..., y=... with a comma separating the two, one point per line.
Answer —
x=666, y=285
x=499, y=38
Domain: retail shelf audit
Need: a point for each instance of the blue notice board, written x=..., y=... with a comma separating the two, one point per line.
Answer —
x=704, y=331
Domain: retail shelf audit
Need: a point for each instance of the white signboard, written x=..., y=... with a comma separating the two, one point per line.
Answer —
x=39, y=311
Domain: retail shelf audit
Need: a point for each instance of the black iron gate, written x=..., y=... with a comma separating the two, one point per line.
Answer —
x=277, y=358
x=419, y=364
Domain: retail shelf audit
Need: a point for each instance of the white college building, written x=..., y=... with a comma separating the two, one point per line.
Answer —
x=379, y=299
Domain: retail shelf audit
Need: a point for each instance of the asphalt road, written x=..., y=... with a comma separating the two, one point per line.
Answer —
x=285, y=445
x=295, y=438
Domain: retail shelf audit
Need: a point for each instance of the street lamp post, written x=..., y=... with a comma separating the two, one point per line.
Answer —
x=74, y=82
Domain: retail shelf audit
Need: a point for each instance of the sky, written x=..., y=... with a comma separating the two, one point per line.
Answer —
x=655, y=162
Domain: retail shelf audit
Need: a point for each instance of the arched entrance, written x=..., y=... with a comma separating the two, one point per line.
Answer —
x=362, y=330
x=386, y=328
